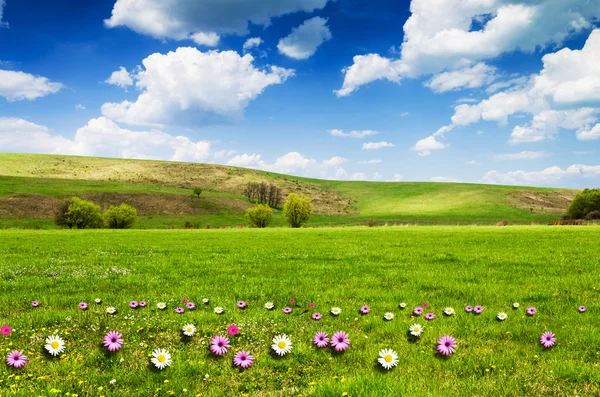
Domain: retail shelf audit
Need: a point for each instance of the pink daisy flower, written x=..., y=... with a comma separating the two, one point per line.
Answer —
x=446, y=345
x=133, y=304
x=317, y=316
x=469, y=309
x=143, y=303
x=478, y=309
x=531, y=311
x=83, y=306
x=179, y=310
x=417, y=311
x=292, y=300
x=184, y=300
x=190, y=305
x=35, y=303
x=6, y=330
x=425, y=304
x=287, y=310
x=16, y=359
x=365, y=309
x=311, y=305
x=241, y=304
x=581, y=309
x=113, y=341
x=548, y=339
x=429, y=316
x=243, y=359
x=233, y=330
x=219, y=345
x=321, y=340
x=340, y=341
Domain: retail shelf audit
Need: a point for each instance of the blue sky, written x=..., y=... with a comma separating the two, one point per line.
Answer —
x=491, y=91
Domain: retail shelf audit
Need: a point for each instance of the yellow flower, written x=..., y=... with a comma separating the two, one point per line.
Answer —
x=100, y=388
x=166, y=381
x=344, y=393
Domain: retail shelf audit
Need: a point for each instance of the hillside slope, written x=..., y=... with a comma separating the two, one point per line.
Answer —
x=31, y=186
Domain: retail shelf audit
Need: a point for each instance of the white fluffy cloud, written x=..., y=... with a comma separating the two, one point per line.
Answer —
x=79, y=106
x=245, y=160
x=524, y=155
x=304, y=40
x=548, y=176
x=426, y=145
x=352, y=134
x=2, y=24
x=446, y=35
x=251, y=43
x=468, y=77
x=335, y=162
x=207, y=85
x=100, y=137
x=17, y=86
x=120, y=78
x=376, y=145
x=203, y=20
x=589, y=134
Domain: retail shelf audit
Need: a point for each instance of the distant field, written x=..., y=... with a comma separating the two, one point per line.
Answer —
x=31, y=186
x=553, y=269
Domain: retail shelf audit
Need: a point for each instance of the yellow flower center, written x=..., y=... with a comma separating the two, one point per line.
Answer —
x=388, y=358
x=161, y=358
x=282, y=345
x=55, y=345
x=417, y=329
x=189, y=329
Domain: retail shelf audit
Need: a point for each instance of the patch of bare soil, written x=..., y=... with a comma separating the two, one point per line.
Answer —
x=554, y=202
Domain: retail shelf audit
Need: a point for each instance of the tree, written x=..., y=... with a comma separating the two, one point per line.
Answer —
x=584, y=203
x=263, y=193
x=197, y=191
x=297, y=210
x=79, y=214
x=260, y=216
x=121, y=217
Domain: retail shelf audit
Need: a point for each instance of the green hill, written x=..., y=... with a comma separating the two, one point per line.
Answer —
x=31, y=187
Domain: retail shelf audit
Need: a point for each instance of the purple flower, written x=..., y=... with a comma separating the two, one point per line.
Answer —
x=340, y=341
x=35, y=303
x=179, y=310
x=531, y=311
x=317, y=316
x=581, y=309
x=241, y=304
x=143, y=304
x=292, y=300
x=429, y=316
x=6, y=330
x=184, y=300
x=548, y=339
x=321, y=340
x=83, y=306
x=243, y=359
x=287, y=310
x=365, y=309
x=417, y=311
x=425, y=304
x=469, y=309
x=478, y=309
x=133, y=304
x=113, y=341
x=219, y=345
x=233, y=330
x=311, y=305
x=190, y=305
x=16, y=359
x=446, y=345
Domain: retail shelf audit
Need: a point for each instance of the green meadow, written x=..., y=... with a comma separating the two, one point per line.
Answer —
x=554, y=269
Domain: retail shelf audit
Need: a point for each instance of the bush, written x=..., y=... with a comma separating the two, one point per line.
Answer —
x=373, y=222
x=593, y=216
x=584, y=203
x=121, y=217
x=79, y=214
x=297, y=210
x=197, y=191
x=260, y=216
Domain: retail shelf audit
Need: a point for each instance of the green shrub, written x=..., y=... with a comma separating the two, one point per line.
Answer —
x=197, y=191
x=584, y=203
x=260, y=216
x=79, y=214
x=593, y=216
x=121, y=217
x=297, y=210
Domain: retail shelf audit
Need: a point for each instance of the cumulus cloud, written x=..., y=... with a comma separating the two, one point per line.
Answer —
x=100, y=137
x=367, y=68
x=18, y=86
x=589, y=134
x=251, y=43
x=524, y=155
x=548, y=177
x=376, y=145
x=79, y=106
x=120, y=78
x=425, y=146
x=352, y=134
x=188, y=83
x=359, y=176
x=334, y=162
x=468, y=77
x=397, y=178
x=304, y=40
x=201, y=21
x=245, y=160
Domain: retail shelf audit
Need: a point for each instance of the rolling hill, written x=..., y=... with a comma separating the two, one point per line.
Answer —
x=31, y=187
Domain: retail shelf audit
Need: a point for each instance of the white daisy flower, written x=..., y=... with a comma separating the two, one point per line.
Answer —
x=161, y=305
x=389, y=316
x=98, y=301
x=219, y=310
x=161, y=358
x=269, y=305
x=55, y=345
x=336, y=311
x=111, y=310
x=415, y=330
x=189, y=330
x=516, y=305
x=449, y=311
x=282, y=345
x=502, y=316
x=205, y=301
x=388, y=358
x=402, y=305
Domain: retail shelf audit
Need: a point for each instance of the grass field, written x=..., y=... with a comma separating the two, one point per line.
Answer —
x=554, y=269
